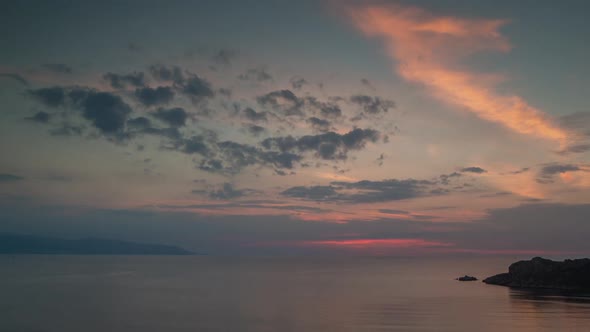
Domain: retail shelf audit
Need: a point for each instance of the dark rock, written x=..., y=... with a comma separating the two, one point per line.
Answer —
x=545, y=273
x=466, y=278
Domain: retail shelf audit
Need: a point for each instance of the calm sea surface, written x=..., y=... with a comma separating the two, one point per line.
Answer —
x=192, y=293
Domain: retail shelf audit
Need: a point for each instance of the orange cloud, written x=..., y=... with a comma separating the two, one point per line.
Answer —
x=427, y=48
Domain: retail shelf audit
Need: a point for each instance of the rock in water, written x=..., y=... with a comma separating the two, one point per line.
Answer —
x=467, y=278
x=571, y=274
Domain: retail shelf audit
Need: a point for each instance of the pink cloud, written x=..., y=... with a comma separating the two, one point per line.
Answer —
x=427, y=49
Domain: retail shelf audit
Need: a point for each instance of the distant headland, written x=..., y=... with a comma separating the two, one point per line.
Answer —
x=28, y=244
x=571, y=274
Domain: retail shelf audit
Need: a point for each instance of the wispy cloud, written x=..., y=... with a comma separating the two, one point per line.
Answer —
x=427, y=48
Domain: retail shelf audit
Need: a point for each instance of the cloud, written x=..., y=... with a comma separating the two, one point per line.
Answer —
x=117, y=81
x=319, y=124
x=255, y=74
x=41, y=117
x=366, y=191
x=10, y=178
x=329, y=145
x=373, y=105
x=297, y=82
x=15, y=77
x=548, y=171
x=427, y=49
x=194, y=144
x=175, y=117
x=172, y=133
x=477, y=170
x=60, y=68
x=164, y=73
x=106, y=111
x=367, y=83
x=576, y=148
x=387, y=190
x=315, y=193
x=327, y=110
x=51, y=97
x=157, y=96
x=226, y=192
x=197, y=88
x=252, y=115
x=224, y=57
x=284, y=101
x=255, y=129
x=67, y=129
x=139, y=123
x=558, y=168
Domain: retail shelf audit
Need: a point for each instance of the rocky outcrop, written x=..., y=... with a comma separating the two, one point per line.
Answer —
x=466, y=278
x=571, y=274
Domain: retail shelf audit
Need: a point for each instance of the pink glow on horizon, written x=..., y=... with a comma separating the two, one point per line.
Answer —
x=368, y=243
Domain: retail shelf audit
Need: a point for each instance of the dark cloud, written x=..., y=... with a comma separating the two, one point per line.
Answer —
x=367, y=83
x=373, y=105
x=225, y=92
x=255, y=74
x=239, y=155
x=315, y=193
x=576, y=148
x=366, y=191
x=211, y=165
x=255, y=129
x=224, y=57
x=67, y=129
x=10, y=177
x=231, y=157
x=389, y=211
x=197, y=88
x=297, y=82
x=117, y=81
x=171, y=74
x=327, y=110
x=579, y=121
x=175, y=117
x=195, y=144
x=58, y=68
x=319, y=124
x=477, y=170
x=106, y=111
x=51, y=97
x=226, y=192
x=172, y=133
x=284, y=101
x=157, y=96
x=41, y=117
x=522, y=170
x=550, y=170
x=139, y=123
x=547, y=172
x=446, y=178
x=15, y=77
x=252, y=115
x=387, y=190
x=329, y=145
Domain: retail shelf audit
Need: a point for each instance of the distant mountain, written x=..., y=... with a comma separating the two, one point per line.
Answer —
x=28, y=244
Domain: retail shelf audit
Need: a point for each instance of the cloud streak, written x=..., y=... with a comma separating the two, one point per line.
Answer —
x=426, y=49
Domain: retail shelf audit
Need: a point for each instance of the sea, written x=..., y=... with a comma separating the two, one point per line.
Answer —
x=282, y=294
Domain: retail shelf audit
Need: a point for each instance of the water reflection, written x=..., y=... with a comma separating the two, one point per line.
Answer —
x=546, y=296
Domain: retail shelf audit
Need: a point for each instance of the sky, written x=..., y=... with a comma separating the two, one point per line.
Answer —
x=299, y=127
